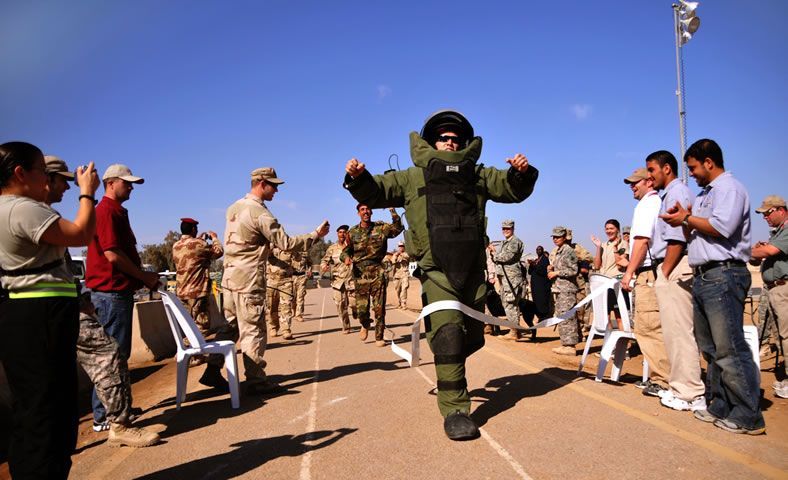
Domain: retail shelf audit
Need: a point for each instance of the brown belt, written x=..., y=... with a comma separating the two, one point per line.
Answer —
x=776, y=283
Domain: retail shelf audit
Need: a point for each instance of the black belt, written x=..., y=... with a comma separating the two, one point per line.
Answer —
x=19, y=272
x=776, y=283
x=701, y=269
x=650, y=268
x=299, y=273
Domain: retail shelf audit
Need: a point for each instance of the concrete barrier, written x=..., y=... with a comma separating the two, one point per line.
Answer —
x=151, y=338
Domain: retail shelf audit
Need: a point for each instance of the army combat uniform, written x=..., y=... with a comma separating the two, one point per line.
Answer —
x=302, y=267
x=192, y=257
x=444, y=196
x=510, y=276
x=279, y=293
x=564, y=261
x=250, y=232
x=367, y=247
x=342, y=284
x=401, y=282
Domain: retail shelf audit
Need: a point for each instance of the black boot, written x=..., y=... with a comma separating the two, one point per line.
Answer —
x=212, y=377
x=459, y=426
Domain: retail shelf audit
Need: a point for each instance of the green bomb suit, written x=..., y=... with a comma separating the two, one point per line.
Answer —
x=451, y=263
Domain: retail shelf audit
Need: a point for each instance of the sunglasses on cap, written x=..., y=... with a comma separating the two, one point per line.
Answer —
x=449, y=138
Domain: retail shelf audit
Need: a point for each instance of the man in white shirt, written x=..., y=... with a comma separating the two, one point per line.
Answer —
x=640, y=277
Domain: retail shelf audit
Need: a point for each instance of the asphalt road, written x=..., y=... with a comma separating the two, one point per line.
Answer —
x=353, y=410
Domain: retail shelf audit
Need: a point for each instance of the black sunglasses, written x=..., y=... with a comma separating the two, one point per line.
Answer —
x=768, y=212
x=449, y=138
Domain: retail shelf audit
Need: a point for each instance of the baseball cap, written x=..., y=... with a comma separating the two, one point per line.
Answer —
x=268, y=174
x=637, y=175
x=772, y=201
x=400, y=243
x=122, y=172
x=559, y=232
x=57, y=165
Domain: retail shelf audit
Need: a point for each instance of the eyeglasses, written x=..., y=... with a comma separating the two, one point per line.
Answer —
x=449, y=138
x=768, y=212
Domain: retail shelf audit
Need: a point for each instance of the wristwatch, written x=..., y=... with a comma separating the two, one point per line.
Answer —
x=685, y=222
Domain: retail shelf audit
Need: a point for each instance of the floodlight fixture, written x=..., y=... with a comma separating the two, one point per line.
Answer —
x=690, y=25
x=688, y=8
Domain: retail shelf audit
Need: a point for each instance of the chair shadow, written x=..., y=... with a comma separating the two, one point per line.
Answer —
x=299, y=379
x=250, y=454
x=501, y=394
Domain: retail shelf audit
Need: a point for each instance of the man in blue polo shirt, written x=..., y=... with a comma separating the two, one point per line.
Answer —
x=717, y=228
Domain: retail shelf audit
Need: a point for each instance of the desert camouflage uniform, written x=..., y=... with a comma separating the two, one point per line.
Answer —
x=99, y=356
x=302, y=267
x=510, y=276
x=399, y=262
x=367, y=247
x=279, y=292
x=564, y=262
x=342, y=285
x=250, y=233
x=192, y=257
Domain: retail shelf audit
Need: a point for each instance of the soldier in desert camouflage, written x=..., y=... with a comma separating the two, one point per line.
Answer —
x=365, y=250
x=342, y=285
x=279, y=293
x=399, y=263
x=302, y=268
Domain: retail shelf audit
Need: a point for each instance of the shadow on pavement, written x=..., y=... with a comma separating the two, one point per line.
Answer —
x=251, y=454
x=503, y=393
x=306, y=377
x=138, y=374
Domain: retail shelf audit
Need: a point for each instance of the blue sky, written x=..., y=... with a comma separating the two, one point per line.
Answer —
x=194, y=95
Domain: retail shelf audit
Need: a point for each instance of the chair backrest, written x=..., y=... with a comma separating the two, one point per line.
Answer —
x=181, y=319
x=599, y=302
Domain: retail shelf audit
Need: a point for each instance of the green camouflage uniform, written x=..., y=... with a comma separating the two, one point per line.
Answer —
x=279, y=292
x=452, y=336
x=564, y=262
x=367, y=247
x=510, y=276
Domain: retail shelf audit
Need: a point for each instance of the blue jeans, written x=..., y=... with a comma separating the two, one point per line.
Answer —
x=732, y=379
x=114, y=310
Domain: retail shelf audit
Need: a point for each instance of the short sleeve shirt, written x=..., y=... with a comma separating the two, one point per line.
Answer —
x=113, y=232
x=726, y=204
x=609, y=250
x=676, y=191
x=644, y=221
x=776, y=266
x=22, y=223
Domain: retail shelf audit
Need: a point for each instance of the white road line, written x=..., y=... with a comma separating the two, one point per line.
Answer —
x=495, y=445
x=306, y=461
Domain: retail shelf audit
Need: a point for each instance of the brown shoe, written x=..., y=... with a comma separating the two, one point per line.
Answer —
x=513, y=335
x=287, y=335
x=363, y=332
x=488, y=329
x=565, y=350
x=380, y=343
x=120, y=435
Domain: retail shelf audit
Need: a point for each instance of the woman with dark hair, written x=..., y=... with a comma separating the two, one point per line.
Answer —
x=540, y=285
x=39, y=312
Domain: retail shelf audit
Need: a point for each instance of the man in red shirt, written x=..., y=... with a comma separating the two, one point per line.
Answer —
x=114, y=270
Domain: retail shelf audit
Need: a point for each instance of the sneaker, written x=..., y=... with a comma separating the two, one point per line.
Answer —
x=667, y=393
x=704, y=415
x=380, y=343
x=263, y=388
x=780, y=384
x=729, y=426
x=287, y=335
x=565, y=350
x=100, y=426
x=363, y=333
x=781, y=391
x=642, y=384
x=671, y=401
x=653, y=389
x=212, y=377
x=459, y=426
x=120, y=435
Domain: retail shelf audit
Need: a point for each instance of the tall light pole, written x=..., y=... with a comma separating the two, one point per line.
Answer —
x=685, y=24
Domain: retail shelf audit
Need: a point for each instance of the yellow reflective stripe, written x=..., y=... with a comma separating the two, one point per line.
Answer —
x=46, y=289
x=14, y=295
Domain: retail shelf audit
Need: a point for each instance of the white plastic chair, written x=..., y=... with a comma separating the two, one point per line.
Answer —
x=751, y=337
x=615, y=342
x=181, y=323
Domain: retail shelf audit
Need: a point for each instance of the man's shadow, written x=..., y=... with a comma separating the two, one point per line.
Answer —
x=501, y=394
x=299, y=379
x=251, y=454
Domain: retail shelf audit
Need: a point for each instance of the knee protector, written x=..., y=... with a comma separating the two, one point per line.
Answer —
x=447, y=344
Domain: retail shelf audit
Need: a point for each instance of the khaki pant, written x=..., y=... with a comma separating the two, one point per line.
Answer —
x=401, y=287
x=648, y=330
x=248, y=311
x=344, y=299
x=299, y=294
x=778, y=299
x=674, y=296
x=279, y=303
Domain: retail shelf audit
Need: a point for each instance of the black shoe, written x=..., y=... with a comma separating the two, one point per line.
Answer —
x=653, y=389
x=135, y=413
x=212, y=377
x=264, y=388
x=459, y=426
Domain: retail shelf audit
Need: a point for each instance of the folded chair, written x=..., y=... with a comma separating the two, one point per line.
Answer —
x=615, y=342
x=182, y=324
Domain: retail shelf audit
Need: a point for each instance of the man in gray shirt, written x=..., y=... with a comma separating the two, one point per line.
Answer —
x=673, y=288
x=718, y=230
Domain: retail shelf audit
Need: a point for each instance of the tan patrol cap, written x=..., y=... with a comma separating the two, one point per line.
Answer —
x=122, y=172
x=637, y=175
x=559, y=232
x=626, y=230
x=57, y=165
x=400, y=243
x=569, y=234
x=268, y=174
x=507, y=224
x=772, y=201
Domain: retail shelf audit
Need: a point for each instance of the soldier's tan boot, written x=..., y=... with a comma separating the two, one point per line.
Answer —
x=363, y=332
x=380, y=343
x=287, y=335
x=565, y=350
x=488, y=329
x=122, y=435
x=513, y=335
